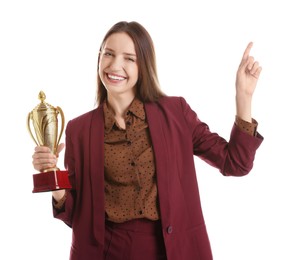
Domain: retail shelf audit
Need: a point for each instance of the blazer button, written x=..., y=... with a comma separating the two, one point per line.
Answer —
x=170, y=229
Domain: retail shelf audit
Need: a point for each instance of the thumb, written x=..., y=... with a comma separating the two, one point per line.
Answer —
x=60, y=148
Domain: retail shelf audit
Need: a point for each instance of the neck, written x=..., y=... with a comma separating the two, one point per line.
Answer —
x=119, y=104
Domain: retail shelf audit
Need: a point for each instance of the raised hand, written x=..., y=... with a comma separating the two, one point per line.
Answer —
x=248, y=73
x=247, y=77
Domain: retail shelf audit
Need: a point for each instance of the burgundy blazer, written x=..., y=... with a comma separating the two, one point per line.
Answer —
x=177, y=135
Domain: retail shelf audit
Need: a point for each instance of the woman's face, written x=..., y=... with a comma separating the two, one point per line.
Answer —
x=118, y=69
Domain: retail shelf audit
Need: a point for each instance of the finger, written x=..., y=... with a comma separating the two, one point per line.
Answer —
x=46, y=155
x=44, y=163
x=44, y=166
x=256, y=72
x=42, y=149
x=247, y=51
x=60, y=148
x=249, y=63
x=254, y=67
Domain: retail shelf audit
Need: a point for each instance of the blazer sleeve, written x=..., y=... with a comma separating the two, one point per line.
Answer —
x=65, y=213
x=234, y=157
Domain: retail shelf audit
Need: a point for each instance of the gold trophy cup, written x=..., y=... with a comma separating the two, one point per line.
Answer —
x=45, y=126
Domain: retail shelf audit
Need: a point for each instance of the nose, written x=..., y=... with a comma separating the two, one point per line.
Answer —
x=116, y=63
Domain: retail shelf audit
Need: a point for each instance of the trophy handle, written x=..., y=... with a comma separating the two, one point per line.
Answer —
x=29, y=127
x=62, y=124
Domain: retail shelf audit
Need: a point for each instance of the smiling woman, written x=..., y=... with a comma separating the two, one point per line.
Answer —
x=134, y=189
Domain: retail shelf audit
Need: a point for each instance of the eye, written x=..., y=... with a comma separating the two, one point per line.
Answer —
x=108, y=53
x=130, y=59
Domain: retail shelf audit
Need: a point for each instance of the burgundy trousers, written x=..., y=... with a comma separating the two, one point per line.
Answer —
x=134, y=240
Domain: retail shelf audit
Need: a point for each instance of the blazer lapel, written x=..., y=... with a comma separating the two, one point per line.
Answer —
x=96, y=173
x=159, y=142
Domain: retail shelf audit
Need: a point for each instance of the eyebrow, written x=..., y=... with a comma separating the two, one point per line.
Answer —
x=125, y=53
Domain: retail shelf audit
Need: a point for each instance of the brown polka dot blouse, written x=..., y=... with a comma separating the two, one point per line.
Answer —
x=130, y=178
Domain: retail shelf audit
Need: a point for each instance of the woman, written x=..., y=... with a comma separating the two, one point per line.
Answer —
x=130, y=161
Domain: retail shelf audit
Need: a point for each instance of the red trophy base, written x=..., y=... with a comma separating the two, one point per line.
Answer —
x=50, y=181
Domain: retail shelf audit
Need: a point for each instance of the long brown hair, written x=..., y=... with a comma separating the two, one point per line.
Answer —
x=147, y=86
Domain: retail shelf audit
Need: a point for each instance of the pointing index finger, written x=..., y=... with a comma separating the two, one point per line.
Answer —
x=247, y=51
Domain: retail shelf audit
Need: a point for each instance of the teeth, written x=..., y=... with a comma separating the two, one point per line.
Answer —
x=115, y=77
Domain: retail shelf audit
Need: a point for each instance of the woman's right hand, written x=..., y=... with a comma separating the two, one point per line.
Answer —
x=43, y=158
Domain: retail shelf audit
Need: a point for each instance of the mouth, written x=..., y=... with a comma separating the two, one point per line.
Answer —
x=115, y=77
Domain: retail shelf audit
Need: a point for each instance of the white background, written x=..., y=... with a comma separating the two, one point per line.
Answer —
x=53, y=46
